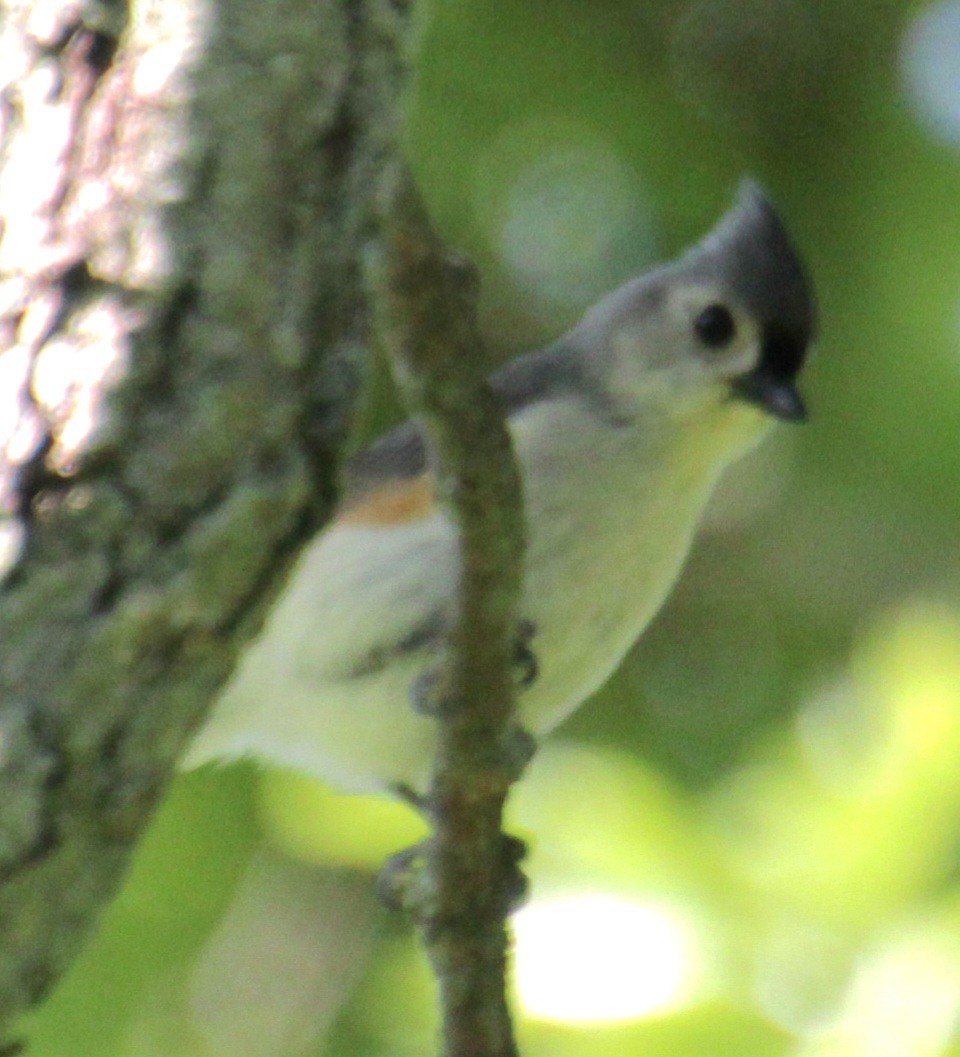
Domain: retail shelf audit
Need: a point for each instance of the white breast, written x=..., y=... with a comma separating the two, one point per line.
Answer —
x=611, y=513
x=610, y=525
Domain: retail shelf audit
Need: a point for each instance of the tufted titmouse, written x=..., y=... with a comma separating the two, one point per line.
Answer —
x=620, y=428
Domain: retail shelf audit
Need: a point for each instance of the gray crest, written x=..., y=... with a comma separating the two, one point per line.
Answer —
x=750, y=252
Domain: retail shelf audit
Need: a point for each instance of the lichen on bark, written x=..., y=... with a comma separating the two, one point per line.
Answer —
x=208, y=215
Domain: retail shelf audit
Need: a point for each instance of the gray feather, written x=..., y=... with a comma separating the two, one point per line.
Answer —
x=401, y=454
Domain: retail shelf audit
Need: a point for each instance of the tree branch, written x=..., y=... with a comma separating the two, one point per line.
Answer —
x=427, y=316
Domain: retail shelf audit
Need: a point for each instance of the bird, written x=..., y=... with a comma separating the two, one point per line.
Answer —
x=621, y=429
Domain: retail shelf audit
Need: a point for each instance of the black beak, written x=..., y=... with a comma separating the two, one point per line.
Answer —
x=778, y=396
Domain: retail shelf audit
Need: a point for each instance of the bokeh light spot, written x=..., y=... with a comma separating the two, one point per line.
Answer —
x=564, y=212
x=903, y=1001
x=930, y=65
x=566, y=215
x=595, y=958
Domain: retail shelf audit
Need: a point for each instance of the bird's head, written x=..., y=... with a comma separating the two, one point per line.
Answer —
x=727, y=325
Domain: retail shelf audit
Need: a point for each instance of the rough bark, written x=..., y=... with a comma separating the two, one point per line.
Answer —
x=429, y=322
x=216, y=220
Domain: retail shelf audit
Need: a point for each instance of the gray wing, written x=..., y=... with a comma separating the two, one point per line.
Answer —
x=402, y=454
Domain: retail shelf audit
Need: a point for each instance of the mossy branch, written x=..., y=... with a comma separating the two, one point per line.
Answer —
x=426, y=314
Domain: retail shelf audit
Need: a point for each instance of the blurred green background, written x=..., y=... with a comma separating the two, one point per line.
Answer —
x=747, y=844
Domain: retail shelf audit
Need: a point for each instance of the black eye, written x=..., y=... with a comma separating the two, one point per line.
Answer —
x=714, y=326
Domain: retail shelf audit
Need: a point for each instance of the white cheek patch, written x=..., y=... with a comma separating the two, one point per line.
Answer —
x=740, y=360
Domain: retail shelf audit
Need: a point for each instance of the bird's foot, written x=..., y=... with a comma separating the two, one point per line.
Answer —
x=514, y=885
x=409, y=796
x=525, y=663
x=405, y=882
x=519, y=747
x=429, y=690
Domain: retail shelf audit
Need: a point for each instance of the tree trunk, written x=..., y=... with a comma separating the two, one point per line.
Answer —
x=201, y=210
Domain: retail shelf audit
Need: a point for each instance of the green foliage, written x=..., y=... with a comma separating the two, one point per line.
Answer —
x=185, y=873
